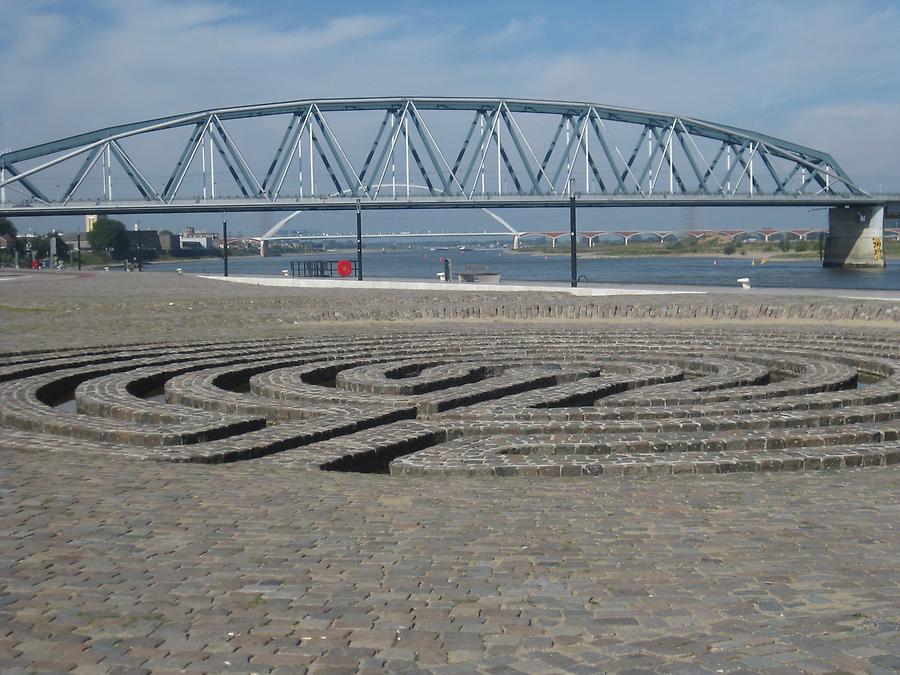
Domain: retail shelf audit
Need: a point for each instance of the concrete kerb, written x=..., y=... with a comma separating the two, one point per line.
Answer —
x=402, y=285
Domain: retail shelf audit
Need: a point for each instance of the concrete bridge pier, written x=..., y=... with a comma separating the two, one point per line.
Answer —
x=263, y=248
x=855, y=236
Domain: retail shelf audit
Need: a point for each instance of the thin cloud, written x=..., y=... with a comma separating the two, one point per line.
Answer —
x=787, y=70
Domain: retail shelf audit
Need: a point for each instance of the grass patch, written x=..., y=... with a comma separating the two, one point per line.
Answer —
x=23, y=310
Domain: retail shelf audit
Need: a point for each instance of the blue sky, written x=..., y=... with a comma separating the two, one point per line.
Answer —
x=825, y=74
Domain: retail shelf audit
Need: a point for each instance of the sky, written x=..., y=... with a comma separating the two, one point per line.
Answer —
x=824, y=74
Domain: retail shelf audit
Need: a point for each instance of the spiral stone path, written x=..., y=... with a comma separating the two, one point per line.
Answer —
x=206, y=477
x=549, y=403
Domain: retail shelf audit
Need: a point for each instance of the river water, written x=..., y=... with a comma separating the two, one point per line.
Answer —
x=694, y=271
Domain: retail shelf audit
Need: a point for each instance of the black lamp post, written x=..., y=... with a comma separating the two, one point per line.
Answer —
x=225, y=244
x=359, y=275
x=572, y=235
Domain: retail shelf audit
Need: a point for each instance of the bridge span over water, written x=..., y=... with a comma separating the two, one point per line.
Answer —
x=421, y=152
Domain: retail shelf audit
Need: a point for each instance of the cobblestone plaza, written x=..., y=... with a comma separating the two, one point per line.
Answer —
x=209, y=477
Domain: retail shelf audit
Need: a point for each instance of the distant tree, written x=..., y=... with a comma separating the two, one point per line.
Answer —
x=729, y=248
x=41, y=246
x=108, y=235
x=7, y=228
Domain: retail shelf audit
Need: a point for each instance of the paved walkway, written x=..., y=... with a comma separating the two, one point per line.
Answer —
x=113, y=565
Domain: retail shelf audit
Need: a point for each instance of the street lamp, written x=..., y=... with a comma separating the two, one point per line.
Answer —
x=140, y=261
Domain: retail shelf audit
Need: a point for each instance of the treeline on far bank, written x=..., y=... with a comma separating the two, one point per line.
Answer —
x=712, y=246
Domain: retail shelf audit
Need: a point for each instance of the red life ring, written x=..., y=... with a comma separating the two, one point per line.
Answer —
x=344, y=268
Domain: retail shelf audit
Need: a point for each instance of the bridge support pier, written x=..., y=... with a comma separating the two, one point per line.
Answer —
x=263, y=248
x=855, y=236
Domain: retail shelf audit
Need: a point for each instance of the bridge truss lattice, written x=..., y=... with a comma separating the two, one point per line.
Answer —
x=408, y=152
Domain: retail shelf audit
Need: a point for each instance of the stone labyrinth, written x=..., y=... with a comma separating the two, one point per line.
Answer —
x=508, y=402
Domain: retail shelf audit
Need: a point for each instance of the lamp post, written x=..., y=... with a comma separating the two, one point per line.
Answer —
x=359, y=276
x=225, y=244
x=140, y=261
x=572, y=234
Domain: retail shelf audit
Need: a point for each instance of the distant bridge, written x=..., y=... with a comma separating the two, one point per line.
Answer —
x=422, y=153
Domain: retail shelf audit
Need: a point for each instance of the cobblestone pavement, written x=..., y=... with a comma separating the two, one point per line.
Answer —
x=114, y=564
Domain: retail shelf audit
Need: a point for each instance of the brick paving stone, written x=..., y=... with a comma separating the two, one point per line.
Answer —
x=127, y=564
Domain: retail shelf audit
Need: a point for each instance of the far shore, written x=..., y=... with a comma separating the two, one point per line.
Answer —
x=780, y=257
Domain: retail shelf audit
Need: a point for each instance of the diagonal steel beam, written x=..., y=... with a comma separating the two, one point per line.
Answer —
x=597, y=177
x=790, y=177
x=598, y=131
x=419, y=124
x=347, y=171
x=324, y=158
x=639, y=183
x=184, y=162
x=552, y=146
x=680, y=133
x=773, y=171
x=574, y=141
x=285, y=163
x=418, y=160
x=230, y=165
x=510, y=169
x=711, y=168
x=432, y=146
x=285, y=149
x=486, y=132
x=374, y=147
x=726, y=147
x=88, y=164
x=241, y=164
x=745, y=165
x=465, y=145
x=485, y=147
x=524, y=138
x=667, y=155
x=648, y=166
x=25, y=183
x=535, y=182
x=387, y=154
x=140, y=182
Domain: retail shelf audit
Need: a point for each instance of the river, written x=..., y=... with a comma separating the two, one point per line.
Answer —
x=694, y=271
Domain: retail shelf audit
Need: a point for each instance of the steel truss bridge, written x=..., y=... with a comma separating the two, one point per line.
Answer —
x=416, y=153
